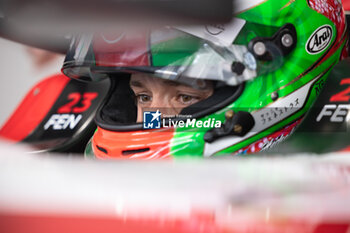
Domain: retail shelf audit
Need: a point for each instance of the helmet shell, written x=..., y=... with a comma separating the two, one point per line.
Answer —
x=277, y=100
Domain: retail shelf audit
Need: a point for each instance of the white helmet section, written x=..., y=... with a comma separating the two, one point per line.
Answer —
x=242, y=5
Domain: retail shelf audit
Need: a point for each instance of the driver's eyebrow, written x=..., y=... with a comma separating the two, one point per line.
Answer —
x=176, y=84
x=172, y=83
x=136, y=84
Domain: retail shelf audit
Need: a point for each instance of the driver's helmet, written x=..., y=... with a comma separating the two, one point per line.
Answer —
x=265, y=67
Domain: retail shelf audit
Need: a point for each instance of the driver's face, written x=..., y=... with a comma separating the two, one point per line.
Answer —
x=171, y=97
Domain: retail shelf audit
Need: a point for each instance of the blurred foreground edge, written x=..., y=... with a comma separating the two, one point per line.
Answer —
x=300, y=193
x=46, y=24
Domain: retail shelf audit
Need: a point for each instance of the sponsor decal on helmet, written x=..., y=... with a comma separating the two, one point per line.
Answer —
x=266, y=117
x=114, y=40
x=215, y=29
x=223, y=34
x=271, y=140
x=319, y=40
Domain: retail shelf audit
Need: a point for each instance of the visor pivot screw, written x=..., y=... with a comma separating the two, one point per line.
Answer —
x=237, y=128
x=237, y=67
x=229, y=114
x=287, y=40
x=274, y=95
x=259, y=48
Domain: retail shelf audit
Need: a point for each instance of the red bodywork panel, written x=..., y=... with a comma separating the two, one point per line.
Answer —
x=36, y=104
x=346, y=5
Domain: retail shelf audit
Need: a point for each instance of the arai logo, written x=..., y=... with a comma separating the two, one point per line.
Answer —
x=319, y=40
x=215, y=29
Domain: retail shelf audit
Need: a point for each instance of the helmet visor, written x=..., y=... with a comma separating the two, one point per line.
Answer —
x=167, y=53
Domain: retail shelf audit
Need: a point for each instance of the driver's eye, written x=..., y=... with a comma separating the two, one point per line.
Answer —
x=187, y=99
x=143, y=98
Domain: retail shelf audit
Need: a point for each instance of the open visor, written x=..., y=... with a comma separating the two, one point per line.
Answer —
x=167, y=53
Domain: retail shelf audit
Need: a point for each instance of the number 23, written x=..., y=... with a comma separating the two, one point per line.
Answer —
x=75, y=98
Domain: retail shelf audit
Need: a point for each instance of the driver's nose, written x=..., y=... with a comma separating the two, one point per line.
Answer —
x=164, y=105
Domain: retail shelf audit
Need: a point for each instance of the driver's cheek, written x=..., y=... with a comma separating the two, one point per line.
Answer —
x=139, y=114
